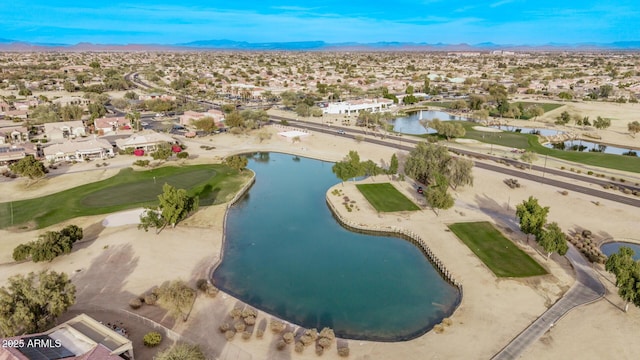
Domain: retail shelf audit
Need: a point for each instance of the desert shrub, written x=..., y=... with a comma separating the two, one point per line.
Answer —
x=288, y=337
x=622, y=180
x=229, y=334
x=250, y=320
x=202, y=284
x=327, y=333
x=135, y=303
x=627, y=191
x=212, y=291
x=183, y=155
x=589, y=172
x=277, y=326
x=439, y=329
x=447, y=322
x=246, y=335
x=281, y=345
x=249, y=312
x=309, y=337
x=150, y=299
x=181, y=351
x=224, y=327
x=236, y=314
x=324, y=342
x=240, y=326
x=343, y=351
x=152, y=339
x=299, y=347
x=564, y=192
x=562, y=168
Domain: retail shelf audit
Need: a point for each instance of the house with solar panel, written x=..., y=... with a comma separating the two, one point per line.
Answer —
x=81, y=338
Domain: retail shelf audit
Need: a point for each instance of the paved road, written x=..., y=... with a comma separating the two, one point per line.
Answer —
x=409, y=144
x=586, y=289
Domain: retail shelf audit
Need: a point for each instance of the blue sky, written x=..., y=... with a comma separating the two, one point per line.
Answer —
x=431, y=21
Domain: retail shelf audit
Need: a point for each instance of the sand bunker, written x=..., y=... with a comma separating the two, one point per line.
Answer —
x=128, y=217
x=486, y=129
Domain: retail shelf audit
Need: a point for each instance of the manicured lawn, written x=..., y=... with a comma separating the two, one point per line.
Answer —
x=128, y=189
x=500, y=255
x=386, y=198
x=530, y=142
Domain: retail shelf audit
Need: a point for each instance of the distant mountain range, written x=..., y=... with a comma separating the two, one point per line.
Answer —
x=204, y=45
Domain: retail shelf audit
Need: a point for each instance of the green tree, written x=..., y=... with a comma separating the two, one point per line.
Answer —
x=303, y=110
x=437, y=195
x=22, y=252
x=459, y=172
x=529, y=157
x=552, y=239
x=71, y=112
x=634, y=128
x=151, y=218
x=234, y=119
x=175, y=204
x=393, y=165
x=162, y=152
x=73, y=232
x=177, y=297
x=627, y=272
x=564, y=118
x=236, y=162
x=532, y=216
x=348, y=168
x=425, y=160
x=28, y=166
x=601, y=123
x=31, y=303
x=181, y=351
x=206, y=124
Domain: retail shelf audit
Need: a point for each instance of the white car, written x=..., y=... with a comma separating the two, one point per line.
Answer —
x=158, y=115
x=144, y=123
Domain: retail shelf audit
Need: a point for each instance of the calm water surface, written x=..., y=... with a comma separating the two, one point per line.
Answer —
x=287, y=255
x=411, y=124
x=612, y=248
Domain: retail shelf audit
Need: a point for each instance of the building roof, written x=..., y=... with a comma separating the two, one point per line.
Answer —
x=81, y=338
x=108, y=122
x=145, y=137
x=68, y=147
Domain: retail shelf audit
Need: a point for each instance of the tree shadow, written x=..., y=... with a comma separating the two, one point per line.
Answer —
x=502, y=214
x=90, y=235
x=102, y=283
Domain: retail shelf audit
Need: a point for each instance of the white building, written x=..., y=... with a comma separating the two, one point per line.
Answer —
x=355, y=106
x=79, y=150
x=64, y=130
x=148, y=140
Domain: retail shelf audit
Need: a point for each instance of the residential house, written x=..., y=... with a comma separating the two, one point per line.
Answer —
x=13, y=135
x=81, y=338
x=147, y=140
x=59, y=131
x=79, y=150
x=10, y=153
x=107, y=125
x=355, y=106
x=188, y=116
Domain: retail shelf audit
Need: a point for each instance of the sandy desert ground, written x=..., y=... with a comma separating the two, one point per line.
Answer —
x=117, y=263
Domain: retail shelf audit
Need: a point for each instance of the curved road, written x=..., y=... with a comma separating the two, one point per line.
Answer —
x=586, y=289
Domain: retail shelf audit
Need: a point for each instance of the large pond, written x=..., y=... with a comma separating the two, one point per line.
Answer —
x=412, y=124
x=286, y=254
x=613, y=247
x=581, y=145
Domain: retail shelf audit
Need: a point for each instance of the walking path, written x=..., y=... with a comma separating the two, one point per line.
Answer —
x=587, y=289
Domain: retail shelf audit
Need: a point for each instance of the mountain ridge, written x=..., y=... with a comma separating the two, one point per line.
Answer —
x=317, y=45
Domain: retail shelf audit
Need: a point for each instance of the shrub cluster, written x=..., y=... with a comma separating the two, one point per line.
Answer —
x=49, y=245
x=587, y=245
x=152, y=339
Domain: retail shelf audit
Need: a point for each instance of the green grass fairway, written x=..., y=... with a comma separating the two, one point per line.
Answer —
x=128, y=189
x=501, y=255
x=386, y=198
